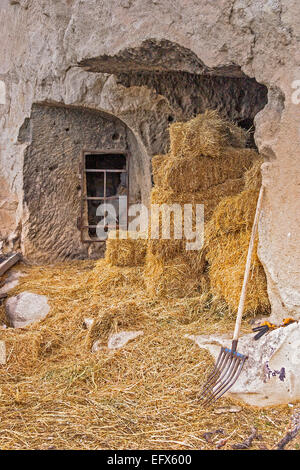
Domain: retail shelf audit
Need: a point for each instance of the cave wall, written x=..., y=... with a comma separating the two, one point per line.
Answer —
x=236, y=98
x=70, y=52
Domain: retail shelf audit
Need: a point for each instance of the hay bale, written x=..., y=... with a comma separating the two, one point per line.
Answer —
x=172, y=279
x=125, y=251
x=236, y=212
x=205, y=135
x=168, y=249
x=209, y=197
x=177, y=134
x=253, y=177
x=191, y=174
x=158, y=164
x=227, y=257
x=231, y=215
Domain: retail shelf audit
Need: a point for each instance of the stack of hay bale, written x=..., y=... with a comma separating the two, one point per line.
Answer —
x=206, y=162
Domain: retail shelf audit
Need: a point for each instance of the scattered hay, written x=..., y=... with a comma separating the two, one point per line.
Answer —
x=23, y=349
x=123, y=250
x=110, y=279
x=125, y=316
x=141, y=396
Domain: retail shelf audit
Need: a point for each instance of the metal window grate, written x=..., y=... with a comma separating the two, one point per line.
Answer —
x=83, y=222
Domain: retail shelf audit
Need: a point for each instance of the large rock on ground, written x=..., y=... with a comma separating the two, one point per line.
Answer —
x=26, y=308
x=271, y=374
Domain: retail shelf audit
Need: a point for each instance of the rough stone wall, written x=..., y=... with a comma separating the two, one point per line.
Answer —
x=47, y=45
x=236, y=98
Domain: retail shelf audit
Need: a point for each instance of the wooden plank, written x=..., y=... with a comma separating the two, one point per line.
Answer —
x=9, y=262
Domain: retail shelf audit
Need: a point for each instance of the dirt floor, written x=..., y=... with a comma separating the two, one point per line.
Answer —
x=56, y=394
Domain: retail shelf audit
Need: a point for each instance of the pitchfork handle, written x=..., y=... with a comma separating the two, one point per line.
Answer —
x=247, y=270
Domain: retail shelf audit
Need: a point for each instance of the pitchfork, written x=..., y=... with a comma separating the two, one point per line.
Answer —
x=230, y=362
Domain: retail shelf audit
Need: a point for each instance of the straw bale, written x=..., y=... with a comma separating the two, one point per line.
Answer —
x=177, y=132
x=232, y=214
x=209, y=197
x=167, y=249
x=205, y=135
x=227, y=258
x=227, y=237
x=125, y=251
x=158, y=164
x=253, y=178
x=170, y=279
x=236, y=212
x=192, y=173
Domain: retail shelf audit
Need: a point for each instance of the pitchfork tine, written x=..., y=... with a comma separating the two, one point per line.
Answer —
x=223, y=384
x=234, y=379
x=230, y=363
x=230, y=382
x=214, y=375
x=223, y=377
x=225, y=364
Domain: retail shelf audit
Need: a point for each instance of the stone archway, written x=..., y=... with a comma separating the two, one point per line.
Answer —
x=56, y=136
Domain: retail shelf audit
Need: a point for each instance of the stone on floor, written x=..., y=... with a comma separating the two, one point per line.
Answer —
x=26, y=308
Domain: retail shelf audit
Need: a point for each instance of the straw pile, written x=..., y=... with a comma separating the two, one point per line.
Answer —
x=206, y=163
x=227, y=240
x=57, y=394
x=124, y=250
